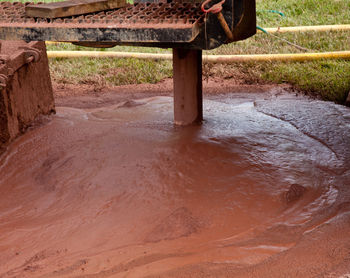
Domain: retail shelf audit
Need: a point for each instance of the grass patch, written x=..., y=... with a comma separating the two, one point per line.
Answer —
x=109, y=71
x=328, y=79
x=263, y=43
x=303, y=12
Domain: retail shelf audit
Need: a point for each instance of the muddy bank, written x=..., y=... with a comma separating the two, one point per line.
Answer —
x=261, y=189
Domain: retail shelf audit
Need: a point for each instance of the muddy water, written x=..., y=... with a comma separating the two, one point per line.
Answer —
x=261, y=189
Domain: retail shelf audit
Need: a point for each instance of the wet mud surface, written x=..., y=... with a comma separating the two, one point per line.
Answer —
x=261, y=189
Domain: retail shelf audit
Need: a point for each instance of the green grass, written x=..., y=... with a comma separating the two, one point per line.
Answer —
x=303, y=12
x=264, y=43
x=108, y=71
x=329, y=79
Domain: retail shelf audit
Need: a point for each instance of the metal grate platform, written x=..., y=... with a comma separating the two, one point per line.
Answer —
x=141, y=13
x=141, y=23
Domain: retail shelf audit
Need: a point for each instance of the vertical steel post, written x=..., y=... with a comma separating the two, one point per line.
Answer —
x=188, y=100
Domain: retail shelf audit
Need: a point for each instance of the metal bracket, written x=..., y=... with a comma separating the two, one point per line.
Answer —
x=23, y=56
x=10, y=64
x=31, y=54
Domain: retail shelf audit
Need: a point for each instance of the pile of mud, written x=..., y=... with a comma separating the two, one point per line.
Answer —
x=261, y=189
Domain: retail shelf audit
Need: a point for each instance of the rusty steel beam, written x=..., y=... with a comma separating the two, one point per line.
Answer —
x=72, y=7
x=188, y=100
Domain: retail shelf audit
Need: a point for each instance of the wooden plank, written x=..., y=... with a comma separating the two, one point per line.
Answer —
x=72, y=7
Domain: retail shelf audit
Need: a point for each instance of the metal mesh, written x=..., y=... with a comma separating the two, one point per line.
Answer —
x=139, y=13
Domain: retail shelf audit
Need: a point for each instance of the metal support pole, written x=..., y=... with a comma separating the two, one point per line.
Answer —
x=188, y=101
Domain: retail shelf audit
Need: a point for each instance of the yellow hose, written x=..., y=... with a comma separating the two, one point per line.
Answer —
x=297, y=57
x=319, y=28
x=208, y=58
x=108, y=54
